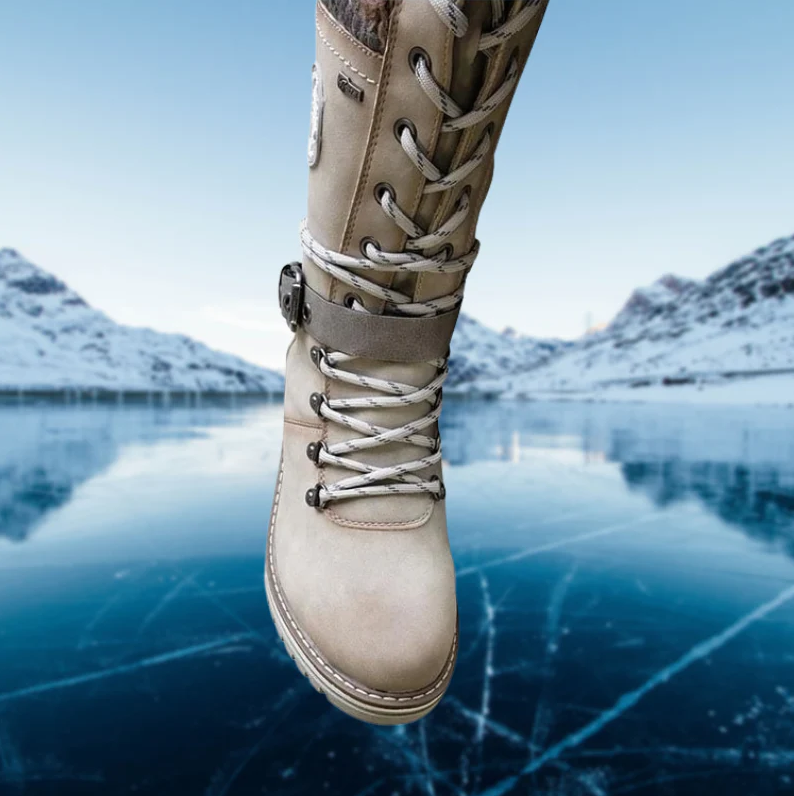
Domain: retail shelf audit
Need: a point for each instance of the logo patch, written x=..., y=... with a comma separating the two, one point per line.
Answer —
x=348, y=87
x=316, y=126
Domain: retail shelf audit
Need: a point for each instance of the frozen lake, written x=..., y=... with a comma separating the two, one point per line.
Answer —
x=626, y=589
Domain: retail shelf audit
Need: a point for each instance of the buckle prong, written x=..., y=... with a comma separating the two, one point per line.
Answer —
x=292, y=302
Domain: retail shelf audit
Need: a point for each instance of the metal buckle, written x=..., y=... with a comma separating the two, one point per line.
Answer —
x=291, y=300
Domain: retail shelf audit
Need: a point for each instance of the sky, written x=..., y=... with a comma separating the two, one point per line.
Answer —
x=153, y=156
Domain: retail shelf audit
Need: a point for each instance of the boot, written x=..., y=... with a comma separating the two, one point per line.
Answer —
x=359, y=576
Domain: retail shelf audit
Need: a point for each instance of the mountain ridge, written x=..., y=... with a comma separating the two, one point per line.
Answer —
x=479, y=352
x=51, y=338
x=739, y=319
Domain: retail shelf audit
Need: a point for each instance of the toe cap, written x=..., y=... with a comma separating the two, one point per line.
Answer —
x=378, y=607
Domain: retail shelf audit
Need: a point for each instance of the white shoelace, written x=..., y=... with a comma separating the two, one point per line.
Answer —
x=371, y=480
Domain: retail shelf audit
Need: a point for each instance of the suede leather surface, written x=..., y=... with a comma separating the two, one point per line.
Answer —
x=413, y=24
x=370, y=581
x=346, y=123
x=303, y=379
x=378, y=604
x=393, y=338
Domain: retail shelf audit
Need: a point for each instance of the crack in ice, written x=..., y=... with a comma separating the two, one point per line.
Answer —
x=167, y=598
x=631, y=698
x=542, y=722
x=495, y=727
x=560, y=543
x=485, y=701
x=127, y=668
x=421, y=768
x=223, y=781
x=773, y=758
x=429, y=786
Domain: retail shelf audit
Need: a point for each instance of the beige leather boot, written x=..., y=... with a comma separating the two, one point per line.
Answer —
x=359, y=575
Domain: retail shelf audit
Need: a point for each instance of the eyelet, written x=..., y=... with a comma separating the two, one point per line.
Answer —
x=442, y=493
x=316, y=401
x=350, y=299
x=317, y=355
x=463, y=196
x=307, y=313
x=380, y=190
x=363, y=245
x=313, y=496
x=490, y=127
x=402, y=124
x=414, y=56
x=439, y=398
x=447, y=250
x=313, y=450
x=286, y=301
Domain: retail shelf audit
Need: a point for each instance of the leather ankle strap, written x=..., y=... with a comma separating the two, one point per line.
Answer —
x=393, y=338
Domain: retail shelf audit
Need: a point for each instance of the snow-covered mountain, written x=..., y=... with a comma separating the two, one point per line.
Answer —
x=480, y=353
x=51, y=338
x=738, y=321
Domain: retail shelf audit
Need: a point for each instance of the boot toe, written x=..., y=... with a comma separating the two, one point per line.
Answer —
x=388, y=624
x=397, y=646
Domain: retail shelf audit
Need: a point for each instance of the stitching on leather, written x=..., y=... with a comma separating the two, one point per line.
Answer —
x=310, y=646
x=406, y=525
x=350, y=226
x=479, y=200
x=303, y=424
x=342, y=57
x=375, y=127
x=377, y=124
x=342, y=32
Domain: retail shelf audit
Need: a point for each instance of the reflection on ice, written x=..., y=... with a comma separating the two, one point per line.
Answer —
x=43, y=457
x=49, y=452
x=617, y=635
x=732, y=461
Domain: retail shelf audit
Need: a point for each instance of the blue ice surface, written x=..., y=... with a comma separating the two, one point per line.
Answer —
x=625, y=581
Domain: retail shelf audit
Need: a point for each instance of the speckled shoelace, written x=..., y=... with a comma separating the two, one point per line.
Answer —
x=370, y=480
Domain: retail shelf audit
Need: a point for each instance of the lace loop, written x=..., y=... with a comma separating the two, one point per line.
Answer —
x=400, y=478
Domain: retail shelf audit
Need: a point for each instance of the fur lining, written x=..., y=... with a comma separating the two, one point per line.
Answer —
x=367, y=20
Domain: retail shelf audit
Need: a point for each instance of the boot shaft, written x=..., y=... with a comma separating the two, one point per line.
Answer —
x=360, y=577
x=364, y=100
x=400, y=161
